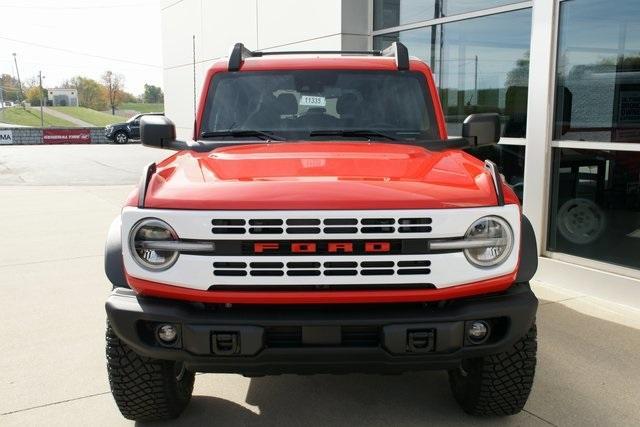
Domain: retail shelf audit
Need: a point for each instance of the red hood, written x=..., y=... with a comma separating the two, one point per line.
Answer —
x=326, y=175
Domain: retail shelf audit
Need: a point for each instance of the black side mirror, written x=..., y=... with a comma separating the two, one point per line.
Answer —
x=160, y=132
x=482, y=129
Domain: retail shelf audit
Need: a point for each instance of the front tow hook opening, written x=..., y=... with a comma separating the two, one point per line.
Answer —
x=225, y=343
x=420, y=341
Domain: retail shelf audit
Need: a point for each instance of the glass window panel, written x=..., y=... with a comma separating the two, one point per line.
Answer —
x=598, y=72
x=392, y=13
x=456, y=7
x=510, y=161
x=595, y=205
x=418, y=42
x=482, y=66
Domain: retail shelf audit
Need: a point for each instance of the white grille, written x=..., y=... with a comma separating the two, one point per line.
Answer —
x=197, y=271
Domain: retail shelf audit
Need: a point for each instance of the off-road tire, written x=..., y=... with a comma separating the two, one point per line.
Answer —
x=146, y=389
x=124, y=140
x=498, y=384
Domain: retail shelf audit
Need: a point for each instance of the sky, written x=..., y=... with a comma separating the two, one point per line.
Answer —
x=66, y=38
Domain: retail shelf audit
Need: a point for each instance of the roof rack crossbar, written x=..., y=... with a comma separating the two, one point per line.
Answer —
x=397, y=50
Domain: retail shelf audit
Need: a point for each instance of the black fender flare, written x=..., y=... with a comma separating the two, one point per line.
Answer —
x=528, y=252
x=113, y=264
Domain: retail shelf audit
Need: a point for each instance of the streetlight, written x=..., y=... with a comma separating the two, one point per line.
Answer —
x=15, y=60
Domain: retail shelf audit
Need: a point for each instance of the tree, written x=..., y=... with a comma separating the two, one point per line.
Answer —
x=153, y=94
x=91, y=94
x=33, y=95
x=128, y=97
x=519, y=75
x=10, y=88
x=113, y=84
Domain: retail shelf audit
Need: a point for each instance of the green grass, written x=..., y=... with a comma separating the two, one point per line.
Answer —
x=28, y=117
x=88, y=115
x=142, y=107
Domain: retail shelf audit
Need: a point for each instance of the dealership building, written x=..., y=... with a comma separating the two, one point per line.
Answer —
x=564, y=75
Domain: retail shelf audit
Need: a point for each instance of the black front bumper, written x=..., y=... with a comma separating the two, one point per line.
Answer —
x=259, y=340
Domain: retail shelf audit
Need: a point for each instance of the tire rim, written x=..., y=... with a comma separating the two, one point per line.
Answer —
x=580, y=221
x=121, y=138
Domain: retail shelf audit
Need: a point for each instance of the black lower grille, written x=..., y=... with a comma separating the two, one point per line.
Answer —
x=351, y=336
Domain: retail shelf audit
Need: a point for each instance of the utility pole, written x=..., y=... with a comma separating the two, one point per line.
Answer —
x=475, y=87
x=20, y=96
x=41, y=109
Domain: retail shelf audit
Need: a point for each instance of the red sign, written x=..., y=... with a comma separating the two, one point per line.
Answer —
x=66, y=136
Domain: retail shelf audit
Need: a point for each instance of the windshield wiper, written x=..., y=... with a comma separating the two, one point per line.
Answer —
x=240, y=133
x=353, y=133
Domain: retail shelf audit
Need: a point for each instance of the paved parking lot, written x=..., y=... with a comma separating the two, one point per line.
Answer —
x=56, y=203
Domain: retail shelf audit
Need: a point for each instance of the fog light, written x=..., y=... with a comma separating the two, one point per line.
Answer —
x=167, y=333
x=478, y=331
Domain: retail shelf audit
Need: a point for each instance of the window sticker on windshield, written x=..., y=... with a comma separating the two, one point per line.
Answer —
x=313, y=101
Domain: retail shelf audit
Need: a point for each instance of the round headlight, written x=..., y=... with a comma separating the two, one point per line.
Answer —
x=492, y=240
x=141, y=239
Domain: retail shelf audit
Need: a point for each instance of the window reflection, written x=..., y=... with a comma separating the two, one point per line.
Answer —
x=595, y=205
x=481, y=65
x=392, y=13
x=510, y=161
x=598, y=76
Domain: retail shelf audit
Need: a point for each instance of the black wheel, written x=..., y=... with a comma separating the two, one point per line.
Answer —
x=146, y=389
x=121, y=137
x=498, y=384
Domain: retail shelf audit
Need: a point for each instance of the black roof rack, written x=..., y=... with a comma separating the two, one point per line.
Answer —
x=397, y=50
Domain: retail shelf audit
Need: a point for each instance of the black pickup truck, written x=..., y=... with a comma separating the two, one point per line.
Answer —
x=121, y=133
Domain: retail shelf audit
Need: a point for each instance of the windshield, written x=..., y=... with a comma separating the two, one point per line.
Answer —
x=134, y=118
x=320, y=104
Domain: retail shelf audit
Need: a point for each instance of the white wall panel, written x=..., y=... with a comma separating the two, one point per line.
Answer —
x=281, y=22
x=224, y=26
x=180, y=22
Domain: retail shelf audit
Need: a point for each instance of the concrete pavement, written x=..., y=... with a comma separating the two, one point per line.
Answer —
x=52, y=363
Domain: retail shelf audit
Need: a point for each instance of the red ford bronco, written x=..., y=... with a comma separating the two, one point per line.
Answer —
x=321, y=221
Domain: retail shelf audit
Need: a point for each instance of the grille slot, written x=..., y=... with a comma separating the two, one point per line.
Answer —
x=303, y=265
x=303, y=221
x=229, y=273
x=266, y=230
x=303, y=273
x=265, y=222
x=369, y=264
x=340, y=264
x=378, y=221
x=341, y=272
x=267, y=273
x=228, y=230
x=380, y=272
x=377, y=229
x=421, y=263
x=230, y=265
x=414, y=271
x=266, y=265
x=303, y=230
x=228, y=222
x=340, y=221
x=341, y=230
